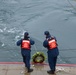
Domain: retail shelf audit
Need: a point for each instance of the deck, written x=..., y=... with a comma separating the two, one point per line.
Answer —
x=18, y=68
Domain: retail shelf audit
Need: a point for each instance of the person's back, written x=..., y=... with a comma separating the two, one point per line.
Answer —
x=25, y=44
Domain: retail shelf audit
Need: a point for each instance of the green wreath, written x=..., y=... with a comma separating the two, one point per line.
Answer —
x=38, y=57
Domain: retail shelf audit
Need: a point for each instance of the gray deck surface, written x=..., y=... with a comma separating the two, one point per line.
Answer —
x=19, y=69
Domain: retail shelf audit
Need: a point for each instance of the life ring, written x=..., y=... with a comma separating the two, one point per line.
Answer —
x=38, y=57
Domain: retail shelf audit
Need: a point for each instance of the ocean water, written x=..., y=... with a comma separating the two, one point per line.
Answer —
x=37, y=16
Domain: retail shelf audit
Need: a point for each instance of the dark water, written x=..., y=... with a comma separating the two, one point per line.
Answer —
x=36, y=16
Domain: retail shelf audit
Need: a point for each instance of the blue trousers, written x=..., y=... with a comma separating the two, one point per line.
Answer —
x=26, y=59
x=52, y=62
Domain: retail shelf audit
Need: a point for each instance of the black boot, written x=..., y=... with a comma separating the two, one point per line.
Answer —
x=30, y=70
x=50, y=72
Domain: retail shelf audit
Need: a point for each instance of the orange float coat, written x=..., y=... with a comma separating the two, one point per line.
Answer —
x=52, y=44
x=25, y=44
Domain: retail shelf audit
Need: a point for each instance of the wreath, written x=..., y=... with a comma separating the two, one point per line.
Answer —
x=38, y=57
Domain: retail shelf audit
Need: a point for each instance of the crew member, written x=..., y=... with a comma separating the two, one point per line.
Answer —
x=51, y=44
x=25, y=45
